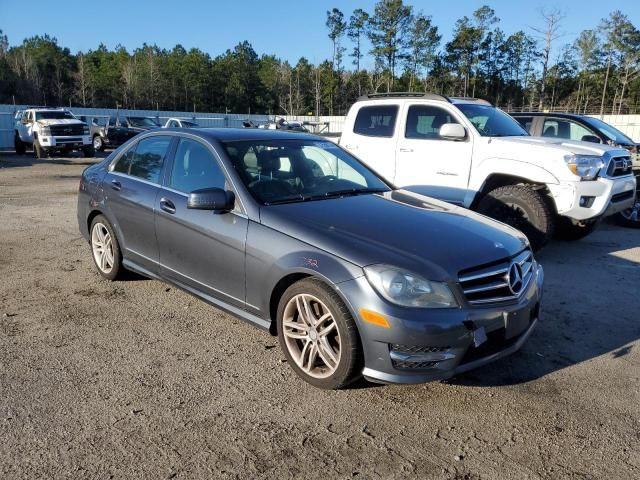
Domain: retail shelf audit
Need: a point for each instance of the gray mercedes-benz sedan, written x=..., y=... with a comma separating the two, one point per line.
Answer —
x=294, y=234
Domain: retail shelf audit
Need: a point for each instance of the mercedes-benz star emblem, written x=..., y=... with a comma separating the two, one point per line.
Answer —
x=515, y=278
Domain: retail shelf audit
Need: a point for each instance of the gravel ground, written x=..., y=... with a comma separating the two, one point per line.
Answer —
x=137, y=379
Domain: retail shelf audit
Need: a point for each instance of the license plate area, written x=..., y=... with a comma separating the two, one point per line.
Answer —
x=516, y=322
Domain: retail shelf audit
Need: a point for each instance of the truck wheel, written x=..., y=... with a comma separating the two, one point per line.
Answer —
x=20, y=146
x=98, y=144
x=38, y=150
x=523, y=208
x=89, y=151
x=568, y=229
x=631, y=216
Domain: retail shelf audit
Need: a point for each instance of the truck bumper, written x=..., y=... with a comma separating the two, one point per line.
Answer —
x=588, y=200
x=69, y=142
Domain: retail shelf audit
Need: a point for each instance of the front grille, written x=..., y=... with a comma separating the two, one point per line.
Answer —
x=408, y=365
x=498, y=282
x=619, y=167
x=67, y=130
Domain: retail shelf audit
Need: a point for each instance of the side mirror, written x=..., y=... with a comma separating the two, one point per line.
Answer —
x=215, y=199
x=591, y=138
x=453, y=131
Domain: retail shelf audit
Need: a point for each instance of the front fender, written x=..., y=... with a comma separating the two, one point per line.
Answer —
x=509, y=167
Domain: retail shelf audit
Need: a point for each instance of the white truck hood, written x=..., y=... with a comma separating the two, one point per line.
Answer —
x=560, y=146
x=59, y=121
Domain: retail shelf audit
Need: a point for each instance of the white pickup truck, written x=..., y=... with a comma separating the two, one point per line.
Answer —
x=467, y=152
x=49, y=130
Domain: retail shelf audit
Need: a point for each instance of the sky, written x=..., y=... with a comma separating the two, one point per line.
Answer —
x=289, y=29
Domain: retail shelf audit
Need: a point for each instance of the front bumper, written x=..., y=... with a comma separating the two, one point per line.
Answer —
x=423, y=345
x=593, y=199
x=76, y=141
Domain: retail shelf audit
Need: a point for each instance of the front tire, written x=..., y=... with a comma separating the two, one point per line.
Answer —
x=88, y=151
x=98, y=143
x=631, y=216
x=521, y=207
x=38, y=150
x=318, y=335
x=105, y=249
x=570, y=230
x=20, y=146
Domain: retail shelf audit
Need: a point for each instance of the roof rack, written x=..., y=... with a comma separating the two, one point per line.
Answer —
x=429, y=96
x=472, y=100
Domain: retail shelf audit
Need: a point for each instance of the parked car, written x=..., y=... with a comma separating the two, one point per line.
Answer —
x=50, y=130
x=589, y=129
x=179, y=123
x=122, y=128
x=295, y=235
x=98, y=129
x=469, y=153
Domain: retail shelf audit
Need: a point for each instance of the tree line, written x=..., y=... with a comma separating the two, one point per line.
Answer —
x=402, y=48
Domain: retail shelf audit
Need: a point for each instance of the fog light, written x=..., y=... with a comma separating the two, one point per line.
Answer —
x=587, y=202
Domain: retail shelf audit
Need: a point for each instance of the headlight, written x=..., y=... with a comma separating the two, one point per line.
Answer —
x=85, y=130
x=45, y=131
x=584, y=166
x=408, y=289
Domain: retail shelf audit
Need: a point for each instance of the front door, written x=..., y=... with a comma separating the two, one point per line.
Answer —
x=199, y=248
x=131, y=188
x=429, y=163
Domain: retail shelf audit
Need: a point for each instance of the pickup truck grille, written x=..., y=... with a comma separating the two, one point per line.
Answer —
x=619, y=166
x=499, y=282
x=66, y=130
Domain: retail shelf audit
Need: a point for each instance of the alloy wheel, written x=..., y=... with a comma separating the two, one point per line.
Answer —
x=311, y=336
x=102, y=247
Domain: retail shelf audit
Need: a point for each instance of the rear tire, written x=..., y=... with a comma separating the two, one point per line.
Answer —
x=20, y=146
x=521, y=207
x=570, y=230
x=322, y=345
x=105, y=249
x=89, y=151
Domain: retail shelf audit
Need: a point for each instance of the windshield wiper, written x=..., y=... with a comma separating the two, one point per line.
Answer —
x=353, y=191
x=324, y=196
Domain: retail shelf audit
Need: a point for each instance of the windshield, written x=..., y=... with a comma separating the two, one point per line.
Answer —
x=491, y=122
x=284, y=171
x=54, y=114
x=142, y=122
x=610, y=132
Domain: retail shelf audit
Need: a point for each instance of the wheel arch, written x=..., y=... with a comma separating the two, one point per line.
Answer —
x=496, y=180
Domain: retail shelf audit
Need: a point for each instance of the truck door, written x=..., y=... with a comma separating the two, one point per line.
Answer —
x=372, y=139
x=427, y=162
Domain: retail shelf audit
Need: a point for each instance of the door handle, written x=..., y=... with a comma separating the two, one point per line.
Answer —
x=116, y=185
x=406, y=150
x=167, y=205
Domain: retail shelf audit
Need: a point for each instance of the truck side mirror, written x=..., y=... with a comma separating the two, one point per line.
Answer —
x=453, y=131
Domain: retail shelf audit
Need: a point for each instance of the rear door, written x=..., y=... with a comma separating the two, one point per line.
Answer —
x=199, y=248
x=439, y=167
x=371, y=137
x=131, y=187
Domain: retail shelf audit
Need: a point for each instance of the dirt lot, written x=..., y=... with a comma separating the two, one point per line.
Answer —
x=137, y=379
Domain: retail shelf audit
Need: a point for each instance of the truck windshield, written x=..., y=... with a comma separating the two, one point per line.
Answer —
x=55, y=114
x=610, y=132
x=288, y=171
x=142, y=122
x=491, y=122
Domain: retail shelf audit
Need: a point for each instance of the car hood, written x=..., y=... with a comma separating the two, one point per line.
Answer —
x=59, y=121
x=560, y=145
x=398, y=228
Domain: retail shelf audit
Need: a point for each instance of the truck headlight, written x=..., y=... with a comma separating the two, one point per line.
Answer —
x=408, y=289
x=85, y=130
x=45, y=131
x=584, y=166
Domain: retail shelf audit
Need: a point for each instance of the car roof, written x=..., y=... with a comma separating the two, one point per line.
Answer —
x=547, y=114
x=239, y=134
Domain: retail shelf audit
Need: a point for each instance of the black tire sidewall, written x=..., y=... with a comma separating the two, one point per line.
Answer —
x=349, y=368
x=101, y=143
x=116, y=271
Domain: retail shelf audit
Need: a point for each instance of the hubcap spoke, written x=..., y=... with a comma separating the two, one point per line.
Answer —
x=327, y=354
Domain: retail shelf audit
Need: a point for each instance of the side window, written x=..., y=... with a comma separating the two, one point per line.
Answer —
x=124, y=123
x=195, y=168
x=148, y=157
x=424, y=121
x=560, y=128
x=525, y=122
x=376, y=121
x=125, y=160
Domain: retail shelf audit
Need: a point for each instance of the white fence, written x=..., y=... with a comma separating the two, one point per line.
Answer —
x=628, y=124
